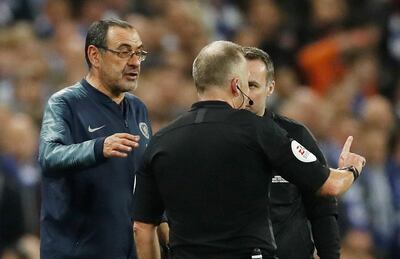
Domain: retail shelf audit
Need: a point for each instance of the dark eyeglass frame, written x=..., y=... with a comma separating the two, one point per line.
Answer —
x=141, y=54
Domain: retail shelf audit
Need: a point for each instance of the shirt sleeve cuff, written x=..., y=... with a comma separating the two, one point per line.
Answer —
x=98, y=149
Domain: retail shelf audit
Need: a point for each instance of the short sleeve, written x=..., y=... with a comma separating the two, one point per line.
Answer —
x=294, y=162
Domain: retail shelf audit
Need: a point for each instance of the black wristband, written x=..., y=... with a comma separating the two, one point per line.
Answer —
x=352, y=169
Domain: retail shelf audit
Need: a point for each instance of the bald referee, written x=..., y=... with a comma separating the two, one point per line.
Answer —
x=210, y=169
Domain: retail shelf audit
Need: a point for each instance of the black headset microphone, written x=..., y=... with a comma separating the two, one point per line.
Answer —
x=251, y=102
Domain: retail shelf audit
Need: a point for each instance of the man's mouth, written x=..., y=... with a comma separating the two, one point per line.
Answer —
x=131, y=75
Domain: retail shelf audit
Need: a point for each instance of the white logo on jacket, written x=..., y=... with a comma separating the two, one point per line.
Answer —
x=144, y=129
x=95, y=129
x=301, y=153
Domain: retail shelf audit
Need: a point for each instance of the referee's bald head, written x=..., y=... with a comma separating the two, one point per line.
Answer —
x=217, y=64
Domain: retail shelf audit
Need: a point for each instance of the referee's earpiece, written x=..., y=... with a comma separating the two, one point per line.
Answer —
x=238, y=87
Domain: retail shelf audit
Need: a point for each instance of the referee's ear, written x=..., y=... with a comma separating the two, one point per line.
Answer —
x=270, y=87
x=234, y=87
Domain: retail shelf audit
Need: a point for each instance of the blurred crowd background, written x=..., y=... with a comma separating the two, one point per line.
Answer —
x=337, y=65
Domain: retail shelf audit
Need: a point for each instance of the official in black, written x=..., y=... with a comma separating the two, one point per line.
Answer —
x=210, y=169
x=293, y=208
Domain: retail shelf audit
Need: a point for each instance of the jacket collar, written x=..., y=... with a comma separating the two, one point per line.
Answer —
x=93, y=92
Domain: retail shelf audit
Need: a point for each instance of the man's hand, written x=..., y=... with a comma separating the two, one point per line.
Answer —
x=338, y=182
x=120, y=144
x=350, y=159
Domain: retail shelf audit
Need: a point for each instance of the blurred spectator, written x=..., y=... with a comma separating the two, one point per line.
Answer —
x=370, y=205
x=118, y=8
x=275, y=36
x=310, y=109
x=53, y=14
x=26, y=247
x=11, y=215
x=322, y=61
x=287, y=82
x=18, y=162
x=396, y=101
x=15, y=10
x=393, y=169
x=357, y=244
x=377, y=114
x=221, y=18
x=13, y=253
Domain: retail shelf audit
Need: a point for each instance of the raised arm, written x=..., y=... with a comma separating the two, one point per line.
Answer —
x=301, y=167
x=340, y=180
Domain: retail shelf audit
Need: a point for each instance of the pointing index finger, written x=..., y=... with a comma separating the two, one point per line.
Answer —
x=347, y=144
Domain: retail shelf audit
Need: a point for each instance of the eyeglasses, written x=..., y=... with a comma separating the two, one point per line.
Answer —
x=141, y=54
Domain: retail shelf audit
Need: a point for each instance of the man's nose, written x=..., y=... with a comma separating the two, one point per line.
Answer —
x=134, y=60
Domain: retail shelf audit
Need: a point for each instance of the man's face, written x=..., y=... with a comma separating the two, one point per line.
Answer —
x=258, y=86
x=244, y=78
x=117, y=73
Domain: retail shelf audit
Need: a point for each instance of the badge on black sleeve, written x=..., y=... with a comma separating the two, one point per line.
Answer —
x=301, y=153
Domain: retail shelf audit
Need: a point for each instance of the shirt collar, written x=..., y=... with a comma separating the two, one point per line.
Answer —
x=210, y=104
x=269, y=114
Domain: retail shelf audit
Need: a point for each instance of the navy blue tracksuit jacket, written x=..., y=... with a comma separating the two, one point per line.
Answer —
x=87, y=199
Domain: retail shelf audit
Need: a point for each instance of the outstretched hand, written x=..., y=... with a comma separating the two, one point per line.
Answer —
x=348, y=158
x=120, y=144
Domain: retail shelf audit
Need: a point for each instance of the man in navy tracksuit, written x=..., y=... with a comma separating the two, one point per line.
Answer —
x=291, y=207
x=92, y=138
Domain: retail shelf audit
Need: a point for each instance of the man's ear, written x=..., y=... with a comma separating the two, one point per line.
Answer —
x=270, y=88
x=94, y=56
x=234, y=85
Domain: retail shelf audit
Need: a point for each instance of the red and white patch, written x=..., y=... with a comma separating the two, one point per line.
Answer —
x=301, y=153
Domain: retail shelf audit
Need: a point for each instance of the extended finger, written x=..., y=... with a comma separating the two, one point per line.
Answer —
x=121, y=147
x=116, y=153
x=347, y=145
x=128, y=136
x=129, y=143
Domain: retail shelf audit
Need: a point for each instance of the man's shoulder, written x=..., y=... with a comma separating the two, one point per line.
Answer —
x=245, y=114
x=74, y=91
x=239, y=119
x=294, y=128
x=176, y=123
x=288, y=123
x=301, y=133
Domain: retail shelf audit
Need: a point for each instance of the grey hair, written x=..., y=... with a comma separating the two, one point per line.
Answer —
x=97, y=33
x=215, y=63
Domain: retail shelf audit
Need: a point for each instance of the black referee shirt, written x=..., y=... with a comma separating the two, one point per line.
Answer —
x=210, y=171
x=292, y=208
